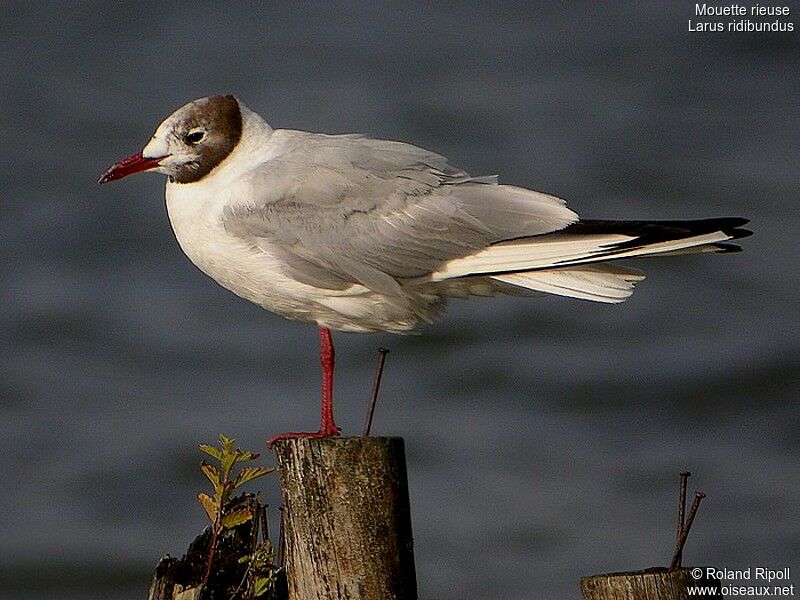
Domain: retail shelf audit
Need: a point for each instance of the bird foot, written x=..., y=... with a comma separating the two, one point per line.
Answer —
x=325, y=432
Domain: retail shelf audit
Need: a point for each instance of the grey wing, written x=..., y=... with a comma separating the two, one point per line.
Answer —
x=347, y=209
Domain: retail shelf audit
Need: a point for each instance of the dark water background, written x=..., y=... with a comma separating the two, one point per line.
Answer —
x=544, y=436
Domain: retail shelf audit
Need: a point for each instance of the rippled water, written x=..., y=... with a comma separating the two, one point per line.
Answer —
x=544, y=436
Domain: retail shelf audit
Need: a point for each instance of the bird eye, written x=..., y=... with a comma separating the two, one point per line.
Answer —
x=194, y=137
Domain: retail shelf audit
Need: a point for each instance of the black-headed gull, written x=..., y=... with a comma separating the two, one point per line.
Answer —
x=358, y=234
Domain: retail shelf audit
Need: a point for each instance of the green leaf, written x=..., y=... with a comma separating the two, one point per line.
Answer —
x=211, y=472
x=227, y=464
x=208, y=505
x=212, y=451
x=227, y=444
x=261, y=586
x=242, y=456
x=250, y=473
x=236, y=517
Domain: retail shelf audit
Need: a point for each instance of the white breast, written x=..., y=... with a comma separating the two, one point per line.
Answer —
x=252, y=273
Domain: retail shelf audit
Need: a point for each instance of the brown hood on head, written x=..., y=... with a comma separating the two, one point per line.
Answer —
x=221, y=118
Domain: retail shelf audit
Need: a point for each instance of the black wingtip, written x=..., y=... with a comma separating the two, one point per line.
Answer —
x=736, y=232
x=650, y=232
x=733, y=221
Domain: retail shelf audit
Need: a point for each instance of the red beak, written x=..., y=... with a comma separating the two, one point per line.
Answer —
x=133, y=164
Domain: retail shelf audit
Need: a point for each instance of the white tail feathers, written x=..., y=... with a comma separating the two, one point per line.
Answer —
x=547, y=252
x=567, y=262
x=599, y=283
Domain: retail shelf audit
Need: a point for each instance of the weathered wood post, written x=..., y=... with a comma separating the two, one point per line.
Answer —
x=652, y=584
x=347, y=519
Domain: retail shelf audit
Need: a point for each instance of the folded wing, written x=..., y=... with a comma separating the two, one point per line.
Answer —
x=344, y=210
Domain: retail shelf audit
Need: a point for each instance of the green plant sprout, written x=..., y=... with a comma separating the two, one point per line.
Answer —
x=226, y=512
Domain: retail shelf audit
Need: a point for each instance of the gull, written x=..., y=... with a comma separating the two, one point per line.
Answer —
x=364, y=235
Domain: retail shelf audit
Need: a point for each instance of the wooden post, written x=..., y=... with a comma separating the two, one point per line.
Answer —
x=652, y=584
x=347, y=519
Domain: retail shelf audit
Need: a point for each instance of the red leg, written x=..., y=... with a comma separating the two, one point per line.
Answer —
x=327, y=427
x=327, y=356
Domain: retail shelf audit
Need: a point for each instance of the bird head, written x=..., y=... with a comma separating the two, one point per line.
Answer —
x=188, y=144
